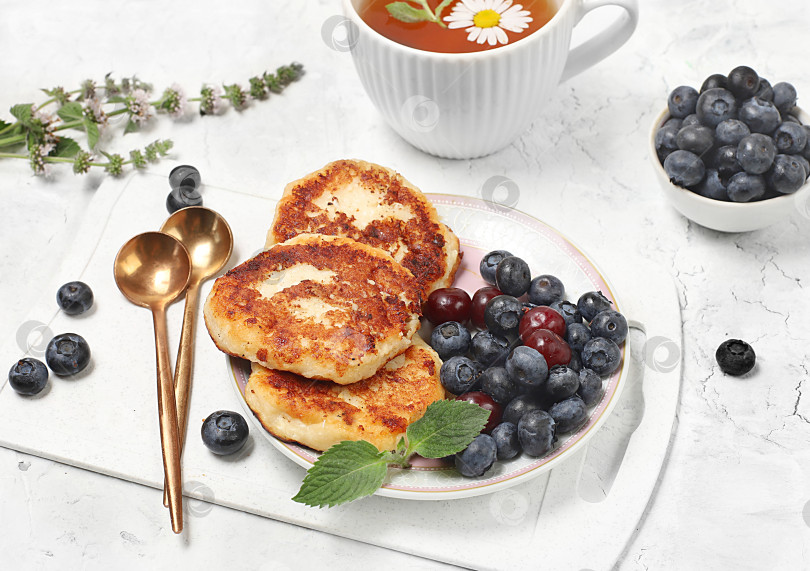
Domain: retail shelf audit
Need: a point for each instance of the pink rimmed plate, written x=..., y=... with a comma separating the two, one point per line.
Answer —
x=483, y=226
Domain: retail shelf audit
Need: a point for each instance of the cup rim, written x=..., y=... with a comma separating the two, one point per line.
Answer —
x=662, y=118
x=351, y=12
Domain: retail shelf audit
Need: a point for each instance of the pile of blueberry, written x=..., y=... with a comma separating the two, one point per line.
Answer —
x=737, y=139
x=184, y=181
x=520, y=350
x=66, y=354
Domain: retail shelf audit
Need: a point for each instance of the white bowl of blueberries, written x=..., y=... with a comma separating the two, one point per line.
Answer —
x=734, y=155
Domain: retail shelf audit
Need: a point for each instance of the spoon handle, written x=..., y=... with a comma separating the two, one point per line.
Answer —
x=167, y=413
x=183, y=368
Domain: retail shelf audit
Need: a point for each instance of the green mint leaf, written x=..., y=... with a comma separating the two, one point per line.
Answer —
x=92, y=132
x=447, y=427
x=404, y=12
x=66, y=147
x=4, y=125
x=22, y=112
x=347, y=471
x=70, y=112
x=440, y=8
x=131, y=127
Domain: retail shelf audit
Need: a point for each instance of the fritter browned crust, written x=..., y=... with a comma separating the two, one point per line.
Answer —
x=319, y=414
x=376, y=206
x=324, y=307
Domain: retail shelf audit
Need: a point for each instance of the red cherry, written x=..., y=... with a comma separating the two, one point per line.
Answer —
x=485, y=401
x=541, y=317
x=550, y=345
x=479, y=304
x=447, y=304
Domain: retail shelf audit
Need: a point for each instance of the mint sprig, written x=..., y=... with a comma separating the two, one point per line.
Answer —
x=410, y=14
x=354, y=469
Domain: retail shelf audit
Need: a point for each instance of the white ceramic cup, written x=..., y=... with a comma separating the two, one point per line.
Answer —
x=467, y=105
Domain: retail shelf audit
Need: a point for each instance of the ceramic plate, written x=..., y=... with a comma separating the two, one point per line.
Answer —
x=483, y=226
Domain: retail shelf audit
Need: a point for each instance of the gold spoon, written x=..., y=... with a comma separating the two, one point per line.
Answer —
x=152, y=270
x=209, y=241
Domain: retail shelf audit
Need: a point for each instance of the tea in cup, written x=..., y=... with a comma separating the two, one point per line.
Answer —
x=465, y=78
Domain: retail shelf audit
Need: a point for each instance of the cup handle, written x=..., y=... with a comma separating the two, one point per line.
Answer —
x=606, y=41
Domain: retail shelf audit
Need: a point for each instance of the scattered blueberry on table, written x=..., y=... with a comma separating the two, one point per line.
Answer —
x=28, y=376
x=184, y=181
x=735, y=357
x=75, y=297
x=67, y=354
x=224, y=432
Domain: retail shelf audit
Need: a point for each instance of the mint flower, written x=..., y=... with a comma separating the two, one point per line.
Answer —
x=210, y=100
x=173, y=101
x=94, y=111
x=140, y=110
x=88, y=90
x=258, y=88
x=238, y=97
x=81, y=162
x=137, y=159
x=36, y=158
x=115, y=164
x=42, y=126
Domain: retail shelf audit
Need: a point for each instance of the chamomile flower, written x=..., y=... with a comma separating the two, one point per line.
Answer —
x=488, y=20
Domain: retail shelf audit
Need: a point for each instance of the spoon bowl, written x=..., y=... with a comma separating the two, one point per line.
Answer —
x=152, y=269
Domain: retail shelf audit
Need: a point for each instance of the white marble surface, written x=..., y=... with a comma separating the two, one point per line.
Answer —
x=734, y=489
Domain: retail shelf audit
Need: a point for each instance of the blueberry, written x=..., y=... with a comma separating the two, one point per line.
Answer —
x=695, y=138
x=684, y=168
x=449, y=339
x=682, y=101
x=487, y=347
x=568, y=310
x=601, y=355
x=182, y=197
x=806, y=151
x=724, y=161
x=735, y=357
x=787, y=174
x=459, y=375
x=562, y=383
x=577, y=335
x=592, y=302
x=67, y=354
x=610, y=324
x=506, y=440
x=74, y=298
x=569, y=414
x=716, y=105
x=590, y=387
x=28, y=376
x=527, y=368
x=743, y=82
x=575, y=363
x=804, y=162
x=789, y=138
x=765, y=90
x=761, y=116
x=512, y=276
x=674, y=121
x=184, y=175
x=497, y=384
x=745, y=187
x=224, y=432
x=784, y=97
x=712, y=186
x=690, y=120
x=502, y=315
x=545, y=290
x=730, y=132
x=519, y=406
x=489, y=264
x=537, y=433
x=478, y=457
x=755, y=153
x=666, y=141
x=713, y=81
